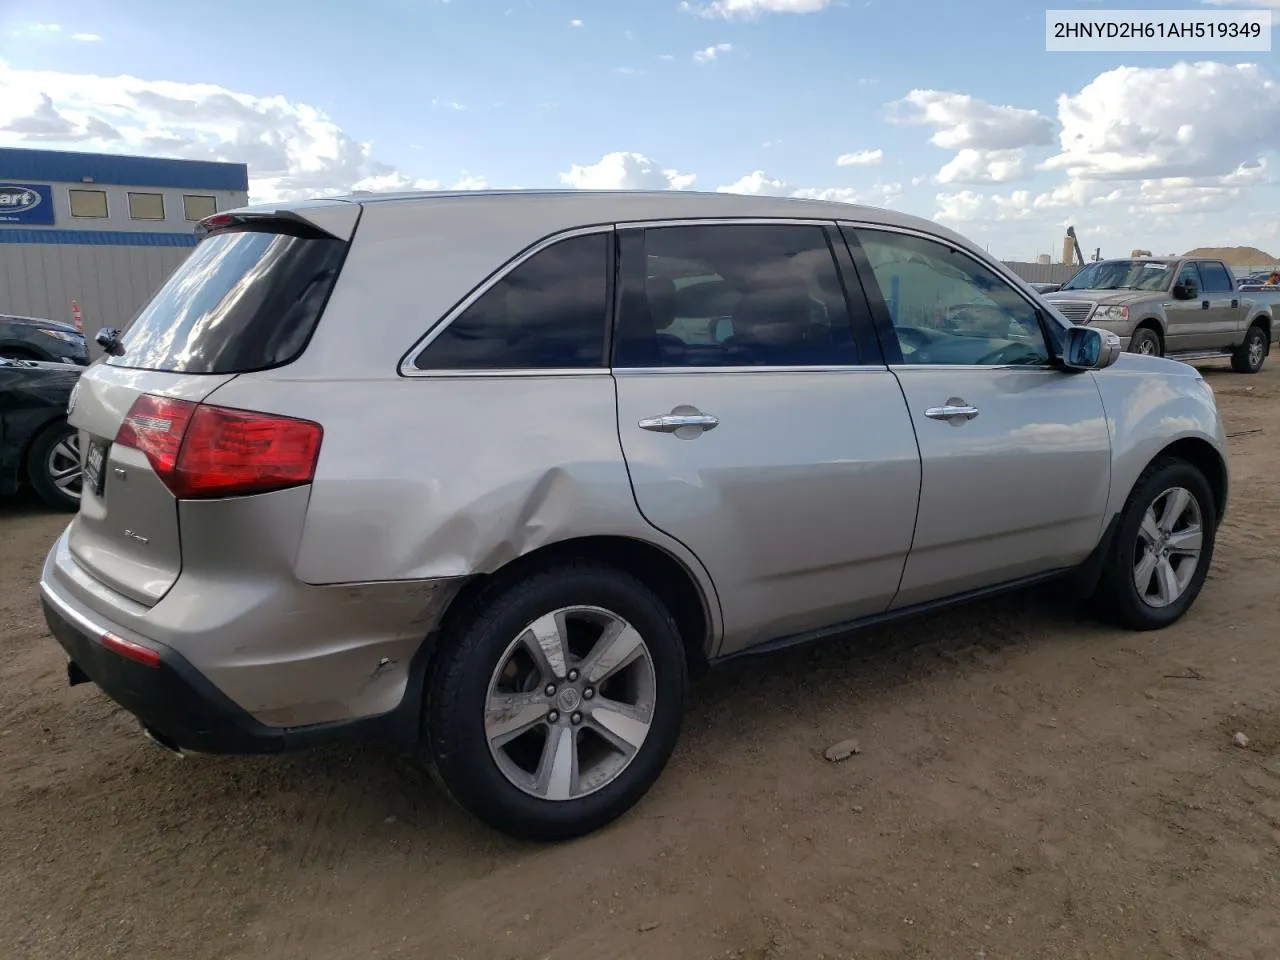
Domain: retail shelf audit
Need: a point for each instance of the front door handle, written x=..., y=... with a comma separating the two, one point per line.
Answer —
x=952, y=411
x=671, y=422
x=1204, y=304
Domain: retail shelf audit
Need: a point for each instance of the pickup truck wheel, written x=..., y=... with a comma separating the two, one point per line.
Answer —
x=555, y=704
x=1250, y=355
x=1162, y=548
x=1146, y=342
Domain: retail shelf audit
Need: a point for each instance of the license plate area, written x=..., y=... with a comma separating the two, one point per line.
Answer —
x=95, y=459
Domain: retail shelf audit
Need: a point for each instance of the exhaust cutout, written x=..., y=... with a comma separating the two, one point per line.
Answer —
x=160, y=739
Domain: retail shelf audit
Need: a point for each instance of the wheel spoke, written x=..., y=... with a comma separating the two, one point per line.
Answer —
x=557, y=774
x=1150, y=528
x=1167, y=588
x=510, y=715
x=1175, y=505
x=65, y=449
x=1188, y=541
x=1143, y=571
x=623, y=725
x=546, y=640
x=617, y=648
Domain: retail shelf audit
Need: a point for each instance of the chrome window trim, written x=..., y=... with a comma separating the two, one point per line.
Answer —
x=408, y=367
x=1002, y=272
x=675, y=371
x=725, y=222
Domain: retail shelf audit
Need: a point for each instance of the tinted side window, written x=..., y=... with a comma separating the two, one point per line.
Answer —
x=732, y=295
x=1215, y=277
x=549, y=312
x=245, y=299
x=1189, y=276
x=947, y=308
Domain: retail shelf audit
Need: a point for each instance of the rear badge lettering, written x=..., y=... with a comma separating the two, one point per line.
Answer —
x=132, y=535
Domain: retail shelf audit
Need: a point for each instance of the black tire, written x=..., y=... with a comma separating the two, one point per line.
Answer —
x=1146, y=337
x=39, y=456
x=1252, y=353
x=1117, y=598
x=456, y=746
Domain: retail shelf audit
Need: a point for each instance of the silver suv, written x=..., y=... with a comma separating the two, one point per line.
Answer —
x=491, y=475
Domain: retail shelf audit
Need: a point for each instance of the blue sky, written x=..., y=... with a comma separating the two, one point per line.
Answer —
x=519, y=92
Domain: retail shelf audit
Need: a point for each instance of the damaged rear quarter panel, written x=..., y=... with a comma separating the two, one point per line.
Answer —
x=442, y=477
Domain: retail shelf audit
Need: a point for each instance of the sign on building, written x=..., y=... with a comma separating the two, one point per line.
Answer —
x=26, y=204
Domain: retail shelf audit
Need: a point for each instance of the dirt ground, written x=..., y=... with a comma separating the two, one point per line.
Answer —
x=1032, y=785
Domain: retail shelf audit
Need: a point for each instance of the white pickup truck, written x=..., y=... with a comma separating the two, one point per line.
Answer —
x=1185, y=309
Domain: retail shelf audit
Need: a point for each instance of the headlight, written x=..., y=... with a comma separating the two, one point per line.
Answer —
x=61, y=335
x=1112, y=313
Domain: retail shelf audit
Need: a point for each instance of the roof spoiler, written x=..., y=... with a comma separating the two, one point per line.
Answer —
x=333, y=218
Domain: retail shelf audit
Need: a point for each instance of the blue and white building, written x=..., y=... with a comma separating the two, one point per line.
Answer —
x=100, y=230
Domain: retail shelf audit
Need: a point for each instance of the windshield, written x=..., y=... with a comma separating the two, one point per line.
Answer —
x=1122, y=275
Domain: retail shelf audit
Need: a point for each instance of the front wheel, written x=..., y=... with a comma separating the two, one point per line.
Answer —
x=1162, y=547
x=1146, y=342
x=1250, y=355
x=554, y=707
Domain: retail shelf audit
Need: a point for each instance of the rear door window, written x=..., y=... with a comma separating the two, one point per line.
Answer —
x=549, y=312
x=245, y=299
x=732, y=295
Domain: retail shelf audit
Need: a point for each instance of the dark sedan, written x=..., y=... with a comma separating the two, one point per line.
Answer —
x=31, y=338
x=37, y=445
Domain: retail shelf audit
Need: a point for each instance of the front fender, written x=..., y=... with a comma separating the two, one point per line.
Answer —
x=1152, y=403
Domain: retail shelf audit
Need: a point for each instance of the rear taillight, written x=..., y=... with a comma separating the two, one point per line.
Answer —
x=203, y=452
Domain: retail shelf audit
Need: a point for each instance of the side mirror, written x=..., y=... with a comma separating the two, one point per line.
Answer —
x=1089, y=348
x=1185, y=291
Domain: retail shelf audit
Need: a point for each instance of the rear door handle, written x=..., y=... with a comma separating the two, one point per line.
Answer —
x=671, y=422
x=952, y=411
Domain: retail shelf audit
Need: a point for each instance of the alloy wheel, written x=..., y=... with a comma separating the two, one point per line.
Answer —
x=63, y=465
x=570, y=703
x=1167, y=552
x=1257, y=351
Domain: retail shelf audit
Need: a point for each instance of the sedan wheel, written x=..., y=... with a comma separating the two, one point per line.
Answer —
x=53, y=467
x=555, y=700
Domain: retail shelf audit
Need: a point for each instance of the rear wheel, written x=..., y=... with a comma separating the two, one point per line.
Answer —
x=553, y=708
x=53, y=466
x=1252, y=353
x=1163, y=545
x=1146, y=342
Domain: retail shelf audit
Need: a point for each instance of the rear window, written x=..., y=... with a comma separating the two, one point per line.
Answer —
x=246, y=299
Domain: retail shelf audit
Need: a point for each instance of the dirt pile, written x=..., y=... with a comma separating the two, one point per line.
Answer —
x=1235, y=256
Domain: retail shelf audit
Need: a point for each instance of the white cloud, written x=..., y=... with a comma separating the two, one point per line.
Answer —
x=293, y=150
x=627, y=71
x=575, y=23
x=86, y=37
x=984, y=166
x=961, y=122
x=1191, y=119
x=750, y=9
x=988, y=139
x=707, y=54
x=860, y=158
x=760, y=184
x=625, y=170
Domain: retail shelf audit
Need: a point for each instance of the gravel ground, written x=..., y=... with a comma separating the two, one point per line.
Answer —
x=1030, y=784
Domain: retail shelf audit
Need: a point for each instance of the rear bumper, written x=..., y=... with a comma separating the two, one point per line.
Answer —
x=174, y=700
